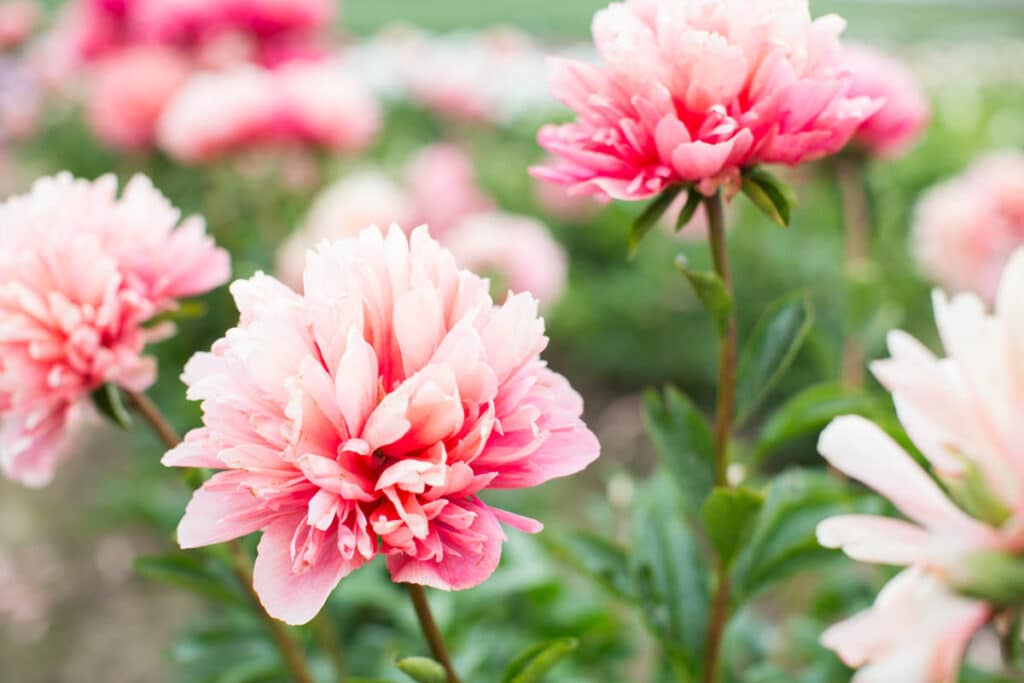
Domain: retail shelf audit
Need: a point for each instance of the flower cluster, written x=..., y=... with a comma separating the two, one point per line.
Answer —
x=440, y=191
x=365, y=416
x=81, y=271
x=693, y=92
x=963, y=414
x=966, y=228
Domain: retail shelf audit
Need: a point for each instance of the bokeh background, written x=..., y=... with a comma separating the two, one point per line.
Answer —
x=74, y=609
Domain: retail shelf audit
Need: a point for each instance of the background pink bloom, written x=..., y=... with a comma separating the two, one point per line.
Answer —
x=694, y=92
x=894, y=128
x=442, y=185
x=963, y=414
x=966, y=228
x=128, y=92
x=366, y=416
x=517, y=250
x=18, y=19
x=300, y=103
x=80, y=271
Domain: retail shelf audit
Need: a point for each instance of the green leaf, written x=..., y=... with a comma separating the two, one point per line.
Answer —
x=783, y=540
x=809, y=412
x=728, y=518
x=531, y=665
x=191, y=572
x=646, y=220
x=185, y=310
x=772, y=196
x=772, y=348
x=670, y=575
x=598, y=558
x=991, y=576
x=711, y=291
x=683, y=441
x=109, y=401
x=693, y=202
x=422, y=670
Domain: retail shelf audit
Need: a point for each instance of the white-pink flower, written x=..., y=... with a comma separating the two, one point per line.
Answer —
x=443, y=188
x=694, y=92
x=966, y=228
x=963, y=414
x=81, y=271
x=894, y=128
x=367, y=415
x=304, y=102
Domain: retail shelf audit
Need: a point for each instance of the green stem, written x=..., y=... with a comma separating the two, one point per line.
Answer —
x=327, y=637
x=857, y=252
x=724, y=413
x=291, y=653
x=430, y=630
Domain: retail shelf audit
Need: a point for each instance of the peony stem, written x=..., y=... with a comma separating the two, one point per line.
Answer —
x=290, y=652
x=857, y=251
x=723, y=428
x=327, y=636
x=430, y=630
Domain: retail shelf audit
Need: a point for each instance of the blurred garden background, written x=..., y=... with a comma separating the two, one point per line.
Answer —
x=79, y=600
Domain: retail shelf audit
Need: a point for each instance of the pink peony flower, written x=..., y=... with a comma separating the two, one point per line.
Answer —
x=518, y=250
x=366, y=415
x=963, y=414
x=966, y=228
x=902, y=119
x=916, y=631
x=442, y=186
x=81, y=271
x=303, y=102
x=128, y=93
x=693, y=92
x=183, y=22
x=343, y=209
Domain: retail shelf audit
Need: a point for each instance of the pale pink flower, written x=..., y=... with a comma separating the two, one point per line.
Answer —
x=344, y=209
x=894, y=128
x=519, y=251
x=443, y=188
x=693, y=92
x=917, y=630
x=312, y=103
x=963, y=414
x=557, y=201
x=965, y=229
x=17, y=21
x=81, y=271
x=366, y=415
x=128, y=91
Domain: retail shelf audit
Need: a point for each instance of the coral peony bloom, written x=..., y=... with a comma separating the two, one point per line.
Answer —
x=518, y=250
x=367, y=414
x=344, y=209
x=184, y=22
x=963, y=414
x=17, y=21
x=303, y=102
x=443, y=188
x=966, y=228
x=693, y=92
x=128, y=93
x=81, y=271
x=894, y=128
x=916, y=631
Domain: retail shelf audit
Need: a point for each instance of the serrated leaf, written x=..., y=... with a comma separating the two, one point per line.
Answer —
x=110, y=403
x=670, y=575
x=646, y=220
x=191, y=572
x=711, y=291
x=772, y=348
x=683, y=441
x=810, y=411
x=531, y=665
x=783, y=539
x=422, y=669
x=693, y=202
x=728, y=515
x=598, y=558
x=772, y=196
